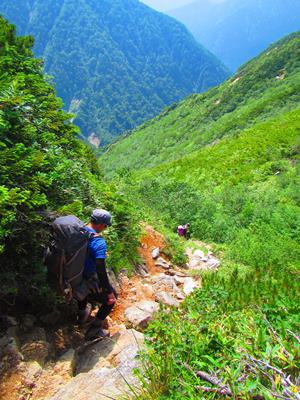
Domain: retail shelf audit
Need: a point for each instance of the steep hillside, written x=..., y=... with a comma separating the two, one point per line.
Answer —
x=44, y=170
x=266, y=86
x=237, y=30
x=235, y=178
x=115, y=64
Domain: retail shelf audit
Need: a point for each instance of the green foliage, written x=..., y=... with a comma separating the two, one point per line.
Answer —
x=227, y=162
x=222, y=328
x=115, y=63
x=263, y=88
x=44, y=167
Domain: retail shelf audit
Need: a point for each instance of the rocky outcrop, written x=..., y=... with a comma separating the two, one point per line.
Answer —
x=104, y=369
x=198, y=260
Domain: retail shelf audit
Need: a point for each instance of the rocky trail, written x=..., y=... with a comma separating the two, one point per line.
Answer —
x=49, y=359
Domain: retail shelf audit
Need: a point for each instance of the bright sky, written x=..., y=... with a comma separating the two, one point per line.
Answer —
x=164, y=5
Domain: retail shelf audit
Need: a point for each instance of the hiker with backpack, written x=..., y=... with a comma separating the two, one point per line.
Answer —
x=76, y=265
x=183, y=230
x=95, y=275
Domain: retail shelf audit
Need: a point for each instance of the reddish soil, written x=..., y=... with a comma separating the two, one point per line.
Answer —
x=13, y=384
x=134, y=289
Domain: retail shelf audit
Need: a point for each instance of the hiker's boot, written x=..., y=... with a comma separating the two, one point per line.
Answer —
x=84, y=315
x=96, y=331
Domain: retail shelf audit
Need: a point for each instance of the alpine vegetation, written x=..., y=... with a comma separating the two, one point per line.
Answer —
x=227, y=161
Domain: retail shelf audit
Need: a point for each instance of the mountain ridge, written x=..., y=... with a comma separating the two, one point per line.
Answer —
x=237, y=30
x=115, y=64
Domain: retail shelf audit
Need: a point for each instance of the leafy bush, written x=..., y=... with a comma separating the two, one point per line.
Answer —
x=44, y=169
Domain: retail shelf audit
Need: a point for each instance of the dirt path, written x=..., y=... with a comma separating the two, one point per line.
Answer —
x=29, y=381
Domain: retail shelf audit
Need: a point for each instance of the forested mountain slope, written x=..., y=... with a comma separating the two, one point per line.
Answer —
x=44, y=170
x=115, y=63
x=266, y=86
x=237, y=30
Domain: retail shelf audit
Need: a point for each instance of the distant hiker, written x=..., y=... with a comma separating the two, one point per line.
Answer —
x=95, y=278
x=75, y=260
x=182, y=231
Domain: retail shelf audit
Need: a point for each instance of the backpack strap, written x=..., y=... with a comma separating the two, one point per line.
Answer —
x=61, y=269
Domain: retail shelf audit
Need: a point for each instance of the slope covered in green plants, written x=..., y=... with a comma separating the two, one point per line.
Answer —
x=44, y=169
x=233, y=174
x=262, y=88
x=115, y=63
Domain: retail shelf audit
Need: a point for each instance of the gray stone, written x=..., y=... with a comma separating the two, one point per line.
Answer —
x=11, y=321
x=165, y=282
x=189, y=286
x=155, y=253
x=35, y=347
x=106, y=367
x=141, y=270
x=174, y=272
x=10, y=347
x=147, y=290
x=161, y=262
x=179, y=280
x=180, y=296
x=66, y=364
x=199, y=254
x=213, y=263
x=167, y=299
x=140, y=314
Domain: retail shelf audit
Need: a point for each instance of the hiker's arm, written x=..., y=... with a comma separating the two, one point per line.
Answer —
x=102, y=275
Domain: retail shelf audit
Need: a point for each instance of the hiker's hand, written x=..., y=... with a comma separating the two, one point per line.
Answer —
x=93, y=284
x=68, y=293
x=111, y=299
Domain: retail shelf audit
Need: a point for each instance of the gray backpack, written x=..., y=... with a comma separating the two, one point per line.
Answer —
x=66, y=255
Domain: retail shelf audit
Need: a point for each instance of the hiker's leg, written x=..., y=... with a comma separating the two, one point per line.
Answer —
x=105, y=309
x=84, y=311
x=96, y=329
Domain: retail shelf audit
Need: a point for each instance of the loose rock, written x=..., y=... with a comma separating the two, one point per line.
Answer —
x=189, y=286
x=141, y=270
x=155, y=253
x=161, y=262
x=167, y=299
x=139, y=315
x=36, y=347
x=213, y=263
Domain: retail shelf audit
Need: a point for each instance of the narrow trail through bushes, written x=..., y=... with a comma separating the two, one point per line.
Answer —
x=43, y=360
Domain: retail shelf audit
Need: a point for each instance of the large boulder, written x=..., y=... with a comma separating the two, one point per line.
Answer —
x=104, y=369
